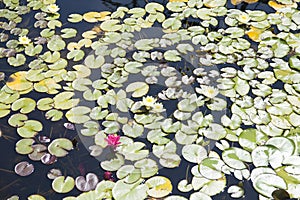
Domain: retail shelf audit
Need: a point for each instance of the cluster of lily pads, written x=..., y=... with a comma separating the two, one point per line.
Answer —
x=236, y=87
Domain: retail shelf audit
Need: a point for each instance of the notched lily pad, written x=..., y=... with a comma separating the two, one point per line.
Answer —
x=24, y=168
x=62, y=184
x=60, y=147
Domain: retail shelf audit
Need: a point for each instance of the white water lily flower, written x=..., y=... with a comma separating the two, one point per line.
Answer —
x=24, y=40
x=158, y=108
x=208, y=91
x=53, y=8
x=149, y=101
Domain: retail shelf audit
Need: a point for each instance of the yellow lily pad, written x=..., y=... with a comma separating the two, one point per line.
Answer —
x=159, y=186
x=18, y=82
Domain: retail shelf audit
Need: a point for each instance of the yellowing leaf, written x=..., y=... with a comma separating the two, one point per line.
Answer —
x=18, y=82
x=254, y=34
x=278, y=6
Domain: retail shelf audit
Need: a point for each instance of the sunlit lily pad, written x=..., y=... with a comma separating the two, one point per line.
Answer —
x=63, y=184
x=78, y=114
x=25, y=105
x=18, y=82
x=60, y=147
x=135, y=191
x=24, y=146
x=159, y=186
x=138, y=89
x=30, y=128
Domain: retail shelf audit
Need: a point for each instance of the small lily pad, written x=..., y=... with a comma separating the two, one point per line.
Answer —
x=24, y=168
x=30, y=128
x=62, y=184
x=24, y=146
x=139, y=89
x=25, y=105
x=18, y=81
x=60, y=147
x=159, y=186
x=87, y=183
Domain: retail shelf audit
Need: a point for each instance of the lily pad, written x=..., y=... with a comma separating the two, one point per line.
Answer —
x=30, y=128
x=135, y=191
x=139, y=89
x=87, y=183
x=60, y=147
x=18, y=81
x=24, y=146
x=25, y=105
x=24, y=168
x=63, y=184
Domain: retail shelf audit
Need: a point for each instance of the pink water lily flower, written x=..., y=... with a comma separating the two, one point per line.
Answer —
x=113, y=140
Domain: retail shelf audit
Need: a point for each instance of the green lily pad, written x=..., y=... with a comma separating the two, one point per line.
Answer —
x=135, y=191
x=24, y=146
x=30, y=128
x=194, y=153
x=17, y=61
x=63, y=184
x=104, y=189
x=78, y=114
x=68, y=33
x=56, y=44
x=265, y=184
x=76, y=55
x=147, y=166
x=17, y=120
x=114, y=164
x=60, y=147
x=75, y=18
x=129, y=174
x=4, y=110
x=94, y=62
x=91, y=128
x=235, y=157
x=64, y=100
x=159, y=186
x=153, y=8
x=139, y=89
x=54, y=115
x=111, y=25
x=25, y=105
x=36, y=197
x=45, y=104
x=211, y=168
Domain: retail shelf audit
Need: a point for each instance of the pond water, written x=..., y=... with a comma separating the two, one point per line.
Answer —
x=234, y=122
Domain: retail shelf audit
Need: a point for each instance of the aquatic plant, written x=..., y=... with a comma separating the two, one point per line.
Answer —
x=194, y=81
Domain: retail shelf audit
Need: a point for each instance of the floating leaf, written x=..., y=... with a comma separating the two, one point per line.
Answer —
x=75, y=18
x=25, y=105
x=139, y=89
x=30, y=128
x=60, y=147
x=87, y=183
x=62, y=184
x=18, y=82
x=78, y=115
x=111, y=25
x=194, y=153
x=24, y=146
x=123, y=191
x=159, y=186
x=24, y=168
